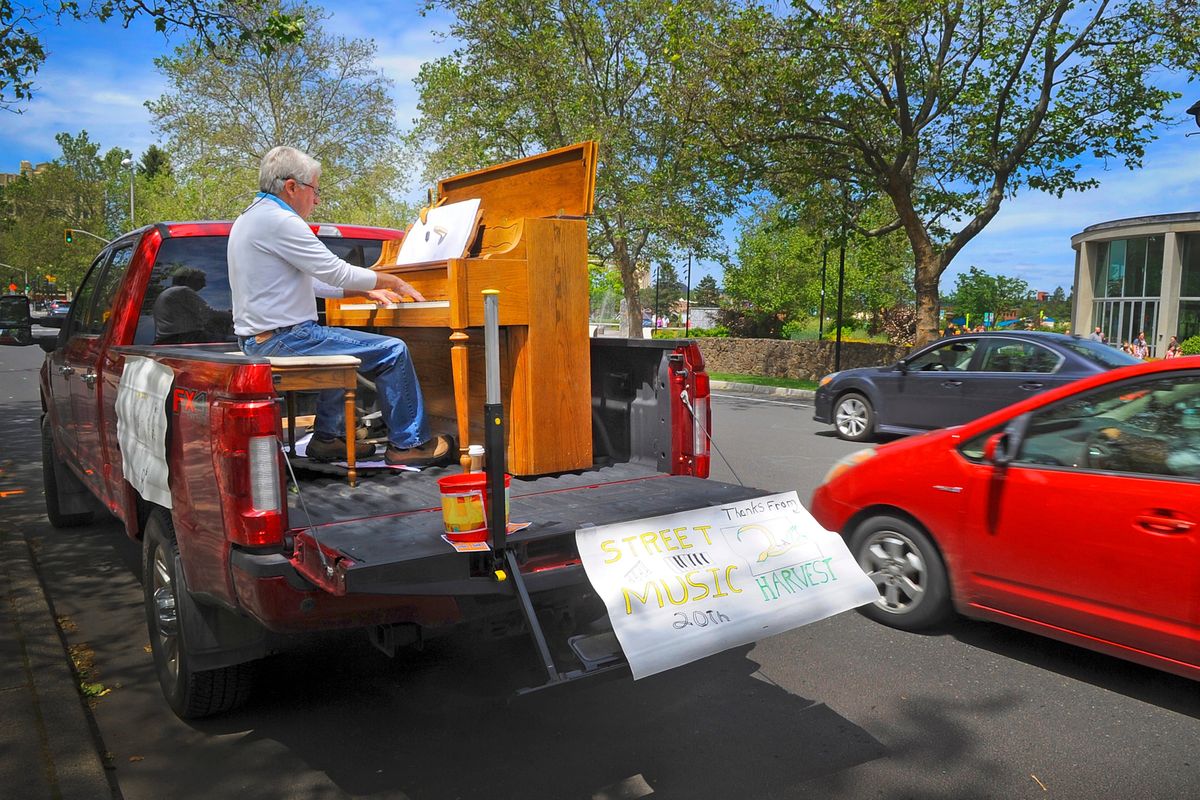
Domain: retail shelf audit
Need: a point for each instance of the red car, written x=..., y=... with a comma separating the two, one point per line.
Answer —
x=1072, y=514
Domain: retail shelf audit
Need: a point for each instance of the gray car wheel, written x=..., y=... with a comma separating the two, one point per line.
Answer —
x=904, y=563
x=853, y=417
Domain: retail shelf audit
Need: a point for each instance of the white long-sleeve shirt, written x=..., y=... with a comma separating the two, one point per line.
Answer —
x=278, y=267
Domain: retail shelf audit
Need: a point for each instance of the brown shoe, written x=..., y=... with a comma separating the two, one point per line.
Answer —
x=438, y=450
x=335, y=450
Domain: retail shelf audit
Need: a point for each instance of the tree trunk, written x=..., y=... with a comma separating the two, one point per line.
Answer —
x=631, y=326
x=929, y=272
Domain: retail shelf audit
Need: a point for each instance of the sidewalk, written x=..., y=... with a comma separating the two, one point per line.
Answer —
x=770, y=391
x=48, y=748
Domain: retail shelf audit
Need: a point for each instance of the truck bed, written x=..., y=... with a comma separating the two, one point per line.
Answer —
x=389, y=528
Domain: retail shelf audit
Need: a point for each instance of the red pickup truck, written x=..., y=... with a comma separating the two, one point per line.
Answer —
x=229, y=576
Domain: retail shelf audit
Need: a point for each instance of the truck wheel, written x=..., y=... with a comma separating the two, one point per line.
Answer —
x=853, y=417
x=190, y=693
x=50, y=485
x=914, y=592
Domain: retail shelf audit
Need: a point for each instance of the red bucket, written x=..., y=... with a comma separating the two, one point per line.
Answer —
x=464, y=505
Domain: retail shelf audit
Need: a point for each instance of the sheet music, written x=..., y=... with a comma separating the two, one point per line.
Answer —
x=445, y=233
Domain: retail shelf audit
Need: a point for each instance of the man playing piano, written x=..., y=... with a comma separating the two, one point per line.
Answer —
x=277, y=268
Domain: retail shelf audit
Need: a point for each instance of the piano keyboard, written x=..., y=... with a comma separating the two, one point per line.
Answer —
x=391, y=306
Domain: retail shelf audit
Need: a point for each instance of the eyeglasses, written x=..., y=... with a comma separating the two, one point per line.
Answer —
x=316, y=191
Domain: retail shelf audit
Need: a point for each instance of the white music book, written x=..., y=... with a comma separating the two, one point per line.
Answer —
x=446, y=233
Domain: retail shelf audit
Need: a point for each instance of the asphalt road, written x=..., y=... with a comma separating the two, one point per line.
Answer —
x=842, y=708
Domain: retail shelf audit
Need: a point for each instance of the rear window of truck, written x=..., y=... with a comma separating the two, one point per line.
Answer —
x=189, y=288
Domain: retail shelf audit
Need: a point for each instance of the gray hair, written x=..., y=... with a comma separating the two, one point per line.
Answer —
x=283, y=162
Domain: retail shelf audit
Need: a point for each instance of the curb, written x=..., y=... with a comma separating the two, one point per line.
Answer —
x=770, y=391
x=55, y=749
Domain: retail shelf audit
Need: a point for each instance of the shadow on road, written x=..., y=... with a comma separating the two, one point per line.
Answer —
x=1144, y=684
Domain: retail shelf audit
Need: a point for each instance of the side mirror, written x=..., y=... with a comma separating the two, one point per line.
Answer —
x=996, y=451
x=902, y=365
x=1001, y=448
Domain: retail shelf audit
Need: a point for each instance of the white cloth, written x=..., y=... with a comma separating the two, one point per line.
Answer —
x=278, y=267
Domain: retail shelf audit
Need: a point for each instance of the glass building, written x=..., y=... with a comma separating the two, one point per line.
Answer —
x=1139, y=275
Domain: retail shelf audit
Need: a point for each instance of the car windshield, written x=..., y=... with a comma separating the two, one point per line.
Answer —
x=1101, y=354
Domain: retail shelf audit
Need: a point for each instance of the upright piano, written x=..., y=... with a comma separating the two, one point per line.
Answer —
x=531, y=245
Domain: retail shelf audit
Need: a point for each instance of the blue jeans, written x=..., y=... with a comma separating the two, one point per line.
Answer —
x=384, y=358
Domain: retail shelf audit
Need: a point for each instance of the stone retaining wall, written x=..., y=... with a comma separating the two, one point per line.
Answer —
x=804, y=360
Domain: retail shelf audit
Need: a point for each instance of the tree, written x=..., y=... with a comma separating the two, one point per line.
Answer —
x=226, y=107
x=528, y=77
x=707, y=292
x=154, y=161
x=21, y=52
x=1059, y=305
x=976, y=292
x=72, y=191
x=776, y=274
x=944, y=107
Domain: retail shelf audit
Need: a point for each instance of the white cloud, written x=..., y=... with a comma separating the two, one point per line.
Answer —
x=1030, y=237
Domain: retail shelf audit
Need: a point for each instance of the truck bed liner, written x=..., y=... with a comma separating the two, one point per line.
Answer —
x=400, y=550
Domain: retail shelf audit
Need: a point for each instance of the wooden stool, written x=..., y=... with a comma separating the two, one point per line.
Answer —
x=296, y=373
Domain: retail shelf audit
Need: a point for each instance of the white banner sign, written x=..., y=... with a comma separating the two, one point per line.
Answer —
x=684, y=586
x=142, y=427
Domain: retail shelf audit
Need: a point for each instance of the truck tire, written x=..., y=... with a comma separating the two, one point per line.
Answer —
x=191, y=693
x=51, y=485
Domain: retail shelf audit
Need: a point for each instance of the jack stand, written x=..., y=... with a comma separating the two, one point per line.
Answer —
x=599, y=653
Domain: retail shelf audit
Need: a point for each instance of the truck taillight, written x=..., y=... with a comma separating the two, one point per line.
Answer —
x=690, y=412
x=246, y=458
x=700, y=427
x=701, y=422
x=264, y=473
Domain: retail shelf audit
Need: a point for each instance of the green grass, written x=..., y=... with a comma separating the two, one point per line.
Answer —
x=759, y=380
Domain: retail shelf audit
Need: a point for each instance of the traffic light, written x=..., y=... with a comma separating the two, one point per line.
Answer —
x=50, y=279
x=67, y=237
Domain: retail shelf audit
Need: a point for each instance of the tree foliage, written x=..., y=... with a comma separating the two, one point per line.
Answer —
x=528, y=77
x=79, y=189
x=154, y=162
x=977, y=292
x=776, y=274
x=707, y=293
x=213, y=22
x=944, y=107
x=226, y=107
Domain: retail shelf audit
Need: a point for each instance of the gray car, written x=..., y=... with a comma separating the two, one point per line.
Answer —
x=955, y=380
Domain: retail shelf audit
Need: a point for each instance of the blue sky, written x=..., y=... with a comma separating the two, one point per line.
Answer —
x=97, y=78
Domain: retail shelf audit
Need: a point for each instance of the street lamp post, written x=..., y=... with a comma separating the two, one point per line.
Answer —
x=128, y=162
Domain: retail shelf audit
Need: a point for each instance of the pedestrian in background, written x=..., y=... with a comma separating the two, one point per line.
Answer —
x=1141, y=349
x=1172, y=348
